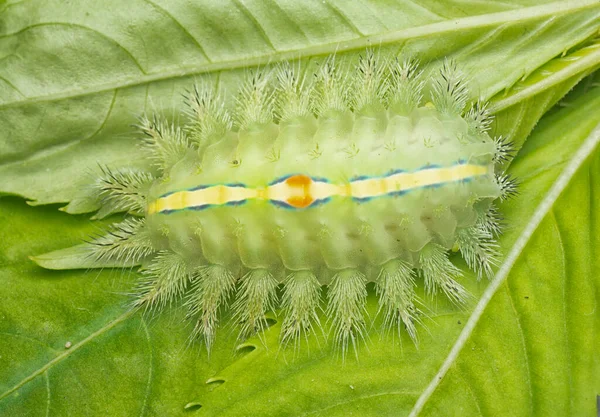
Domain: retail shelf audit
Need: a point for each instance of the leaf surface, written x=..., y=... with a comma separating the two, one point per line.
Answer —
x=540, y=322
x=75, y=77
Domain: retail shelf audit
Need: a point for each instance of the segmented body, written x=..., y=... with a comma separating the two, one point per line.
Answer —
x=410, y=182
x=350, y=179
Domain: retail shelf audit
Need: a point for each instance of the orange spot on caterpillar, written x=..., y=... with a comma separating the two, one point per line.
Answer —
x=300, y=202
x=303, y=181
x=300, y=185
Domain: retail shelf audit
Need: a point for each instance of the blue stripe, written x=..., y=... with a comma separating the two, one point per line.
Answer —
x=315, y=203
x=236, y=202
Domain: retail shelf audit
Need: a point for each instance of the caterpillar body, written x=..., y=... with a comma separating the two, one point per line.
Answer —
x=337, y=180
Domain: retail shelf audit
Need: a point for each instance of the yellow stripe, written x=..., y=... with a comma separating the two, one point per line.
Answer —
x=368, y=188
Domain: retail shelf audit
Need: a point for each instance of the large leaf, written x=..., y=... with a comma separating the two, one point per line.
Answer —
x=75, y=76
x=532, y=350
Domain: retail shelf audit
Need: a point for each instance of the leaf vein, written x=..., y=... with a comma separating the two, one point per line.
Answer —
x=526, y=353
x=32, y=156
x=361, y=398
x=123, y=317
x=79, y=26
x=11, y=85
x=470, y=390
x=246, y=12
x=181, y=26
x=289, y=21
x=428, y=11
x=564, y=306
x=519, y=15
x=28, y=337
x=343, y=16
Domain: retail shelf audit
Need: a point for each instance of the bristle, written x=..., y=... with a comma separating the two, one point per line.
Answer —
x=211, y=286
x=406, y=86
x=123, y=190
x=508, y=186
x=164, y=281
x=479, y=117
x=368, y=90
x=166, y=143
x=293, y=96
x=439, y=273
x=255, y=102
x=504, y=150
x=301, y=295
x=395, y=287
x=209, y=120
x=491, y=221
x=479, y=250
x=347, y=296
x=450, y=92
x=330, y=89
x=126, y=241
x=255, y=297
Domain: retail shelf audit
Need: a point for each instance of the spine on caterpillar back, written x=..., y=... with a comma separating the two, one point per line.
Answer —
x=340, y=181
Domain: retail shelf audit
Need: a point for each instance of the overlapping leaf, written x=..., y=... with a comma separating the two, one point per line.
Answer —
x=74, y=77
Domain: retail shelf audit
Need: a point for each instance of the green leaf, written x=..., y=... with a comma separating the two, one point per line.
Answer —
x=541, y=321
x=75, y=77
x=515, y=118
x=117, y=363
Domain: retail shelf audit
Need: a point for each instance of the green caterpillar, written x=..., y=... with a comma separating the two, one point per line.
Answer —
x=337, y=180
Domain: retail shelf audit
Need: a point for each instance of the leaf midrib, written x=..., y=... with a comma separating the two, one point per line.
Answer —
x=514, y=16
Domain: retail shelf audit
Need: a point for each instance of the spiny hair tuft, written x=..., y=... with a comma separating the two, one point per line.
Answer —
x=330, y=89
x=123, y=190
x=165, y=143
x=127, y=241
x=508, y=186
x=293, y=98
x=211, y=287
x=504, y=150
x=439, y=273
x=300, y=301
x=256, y=296
x=369, y=87
x=164, y=280
x=209, y=118
x=255, y=101
x=450, y=92
x=347, y=296
x=479, y=249
x=405, y=89
x=479, y=117
x=395, y=287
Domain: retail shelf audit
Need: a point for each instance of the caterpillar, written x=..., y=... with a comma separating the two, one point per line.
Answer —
x=346, y=177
